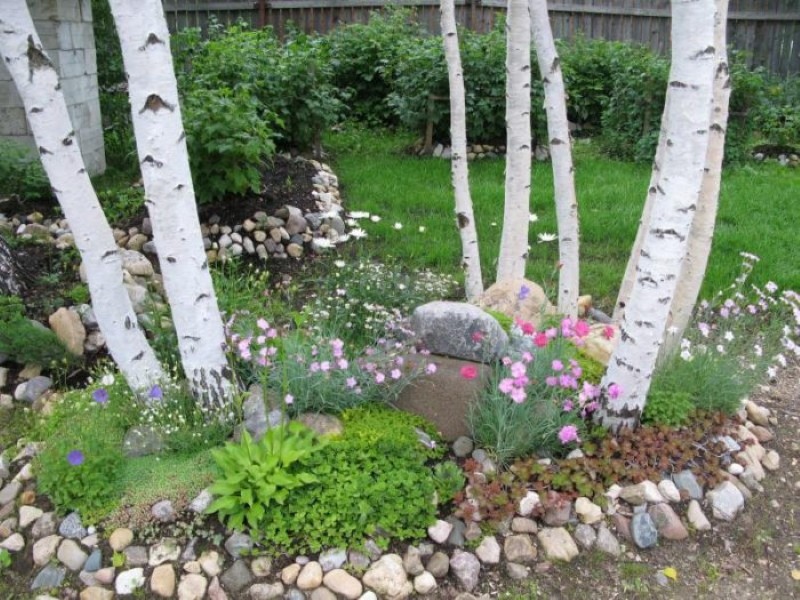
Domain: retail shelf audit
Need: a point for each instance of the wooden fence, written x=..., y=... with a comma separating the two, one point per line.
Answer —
x=767, y=30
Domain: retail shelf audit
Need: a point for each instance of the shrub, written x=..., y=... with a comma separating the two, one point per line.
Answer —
x=26, y=342
x=21, y=172
x=668, y=408
x=372, y=482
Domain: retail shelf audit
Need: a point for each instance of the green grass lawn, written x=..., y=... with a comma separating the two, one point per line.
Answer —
x=759, y=207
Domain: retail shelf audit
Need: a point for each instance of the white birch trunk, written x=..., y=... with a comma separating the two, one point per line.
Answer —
x=664, y=246
x=514, y=238
x=555, y=104
x=170, y=199
x=38, y=85
x=465, y=219
x=702, y=232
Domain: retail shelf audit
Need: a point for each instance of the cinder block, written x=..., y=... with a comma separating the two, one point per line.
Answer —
x=13, y=122
x=90, y=61
x=71, y=63
x=44, y=9
x=9, y=97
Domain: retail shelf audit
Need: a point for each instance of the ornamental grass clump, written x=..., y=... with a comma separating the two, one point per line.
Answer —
x=738, y=338
x=538, y=399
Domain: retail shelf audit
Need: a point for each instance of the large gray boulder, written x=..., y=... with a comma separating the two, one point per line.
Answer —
x=459, y=330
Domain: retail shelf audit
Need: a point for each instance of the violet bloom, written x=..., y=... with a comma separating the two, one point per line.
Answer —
x=100, y=395
x=524, y=292
x=75, y=458
x=506, y=385
x=156, y=393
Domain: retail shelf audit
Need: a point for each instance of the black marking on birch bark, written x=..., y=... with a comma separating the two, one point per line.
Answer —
x=525, y=147
x=58, y=86
x=526, y=68
x=677, y=84
x=652, y=189
x=81, y=171
x=194, y=338
x=182, y=137
x=722, y=68
x=705, y=52
x=463, y=220
x=36, y=110
x=180, y=186
x=554, y=65
x=108, y=253
x=716, y=127
x=155, y=103
x=204, y=266
x=670, y=143
x=571, y=169
x=545, y=80
x=727, y=84
x=701, y=131
x=171, y=260
x=660, y=189
x=665, y=300
x=43, y=151
x=645, y=324
x=67, y=141
x=690, y=208
x=556, y=142
x=152, y=40
x=203, y=296
x=662, y=233
x=451, y=33
x=128, y=323
x=647, y=280
x=36, y=59
x=139, y=356
x=152, y=161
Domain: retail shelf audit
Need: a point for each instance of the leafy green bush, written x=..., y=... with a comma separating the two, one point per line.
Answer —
x=257, y=476
x=372, y=482
x=668, y=408
x=25, y=342
x=777, y=118
x=21, y=172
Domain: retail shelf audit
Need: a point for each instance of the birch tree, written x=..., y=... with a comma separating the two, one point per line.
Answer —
x=465, y=219
x=514, y=238
x=555, y=105
x=37, y=82
x=688, y=119
x=702, y=232
x=170, y=198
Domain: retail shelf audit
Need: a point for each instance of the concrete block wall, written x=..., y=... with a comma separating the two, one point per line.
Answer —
x=65, y=28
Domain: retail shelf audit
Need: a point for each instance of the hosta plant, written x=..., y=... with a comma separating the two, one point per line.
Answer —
x=258, y=475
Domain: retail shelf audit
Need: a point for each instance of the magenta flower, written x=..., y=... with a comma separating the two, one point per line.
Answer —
x=469, y=372
x=614, y=391
x=567, y=406
x=582, y=329
x=75, y=458
x=568, y=433
x=551, y=381
x=540, y=340
x=517, y=370
x=395, y=374
x=478, y=336
x=100, y=395
x=608, y=332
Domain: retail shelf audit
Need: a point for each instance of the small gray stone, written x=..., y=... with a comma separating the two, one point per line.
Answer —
x=167, y=550
x=237, y=577
x=294, y=594
x=726, y=501
x=606, y=542
x=45, y=525
x=358, y=560
x=265, y=591
x=438, y=564
x=585, y=536
x=332, y=559
x=516, y=571
x=463, y=446
x=488, y=551
x=238, y=543
x=10, y=492
x=643, y=530
x=163, y=511
x=71, y=527
x=696, y=516
x=456, y=537
x=466, y=568
x=388, y=578
x=412, y=562
x=519, y=548
x=202, y=501
x=135, y=556
x=557, y=544
x=51, y=577
x=440, y=531
x=13, y=543
x=686, y=481
x=94, y=562
x=71, y=555
x=35, y=388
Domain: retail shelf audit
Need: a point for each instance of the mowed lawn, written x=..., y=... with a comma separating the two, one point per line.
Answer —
x=759, y=213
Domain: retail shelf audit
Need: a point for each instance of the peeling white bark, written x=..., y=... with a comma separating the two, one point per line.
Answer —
x=514, y=238
x=665, y=243
x=702, y=232
x=555, y=104
x=170, y=198
x=38, y=85
x=465, y=219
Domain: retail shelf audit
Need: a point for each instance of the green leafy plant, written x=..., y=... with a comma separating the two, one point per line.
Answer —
x=5, y=559
x=26, y=343
x=668, y=408
x=118, y=560
x=79, y=294
x=449, y=480
x=257, y=476
x=21, y=172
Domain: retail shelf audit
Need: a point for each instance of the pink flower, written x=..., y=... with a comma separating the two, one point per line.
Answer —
x=337, y=346
x=478, y=336
x=518, y=370
x=540, y=340
x=288, y=399
x=567, y=327
x=396, y=374
x=704, y=328
x=614, y=391
x=557, y=365
x=577, y=371
x=430, y=368
x=527, y=357
x=582, y=329
x=314, y=367
x=506, y=385
x=506, y=360
x=262, y=324
x=469, y=372
x=272, y=333
x=380, y=377
x=551, y=333
x=551, y=381
x=608, y=332
x=342, y=363
x=518, y=395
x=567, y=406
x=526, y=327
x=325, y=366
x=568, y=433
x=351, y=383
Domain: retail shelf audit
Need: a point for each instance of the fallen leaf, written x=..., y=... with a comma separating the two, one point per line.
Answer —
x=671, y=572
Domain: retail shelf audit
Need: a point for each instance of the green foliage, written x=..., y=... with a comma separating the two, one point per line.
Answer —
x=79, y=294
x=668, y=408
x=257, y=476
x=25, y=342
x=88, y=487
x=229, y=141
x=503, y=319
x=448, y=479
x=5, y=559
x=21, y=172
x=593, y=370
x=372, y=482
x=777, y=118
x=121, y=203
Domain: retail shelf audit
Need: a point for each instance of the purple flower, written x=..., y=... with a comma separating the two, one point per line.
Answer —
x=75, y=458
x=524, y=292
x=156, y=393
x=100, y=395
x=614, y=391
x=568, y=433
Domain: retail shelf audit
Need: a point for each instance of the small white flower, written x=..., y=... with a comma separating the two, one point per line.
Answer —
x=108, y=379
x=339, y=264
x=358, y=234
x=533, y=217
x=351, y=222
x=422, y=229
x=772, y=372
x=359, y=214
x=546, y=237
x=494, y=223
x=374, y=218
x=321, y=244
x=398, y=226
x=728, y=335
x=686, y=355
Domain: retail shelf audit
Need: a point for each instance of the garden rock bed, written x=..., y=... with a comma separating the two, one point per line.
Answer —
x=61, y=555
